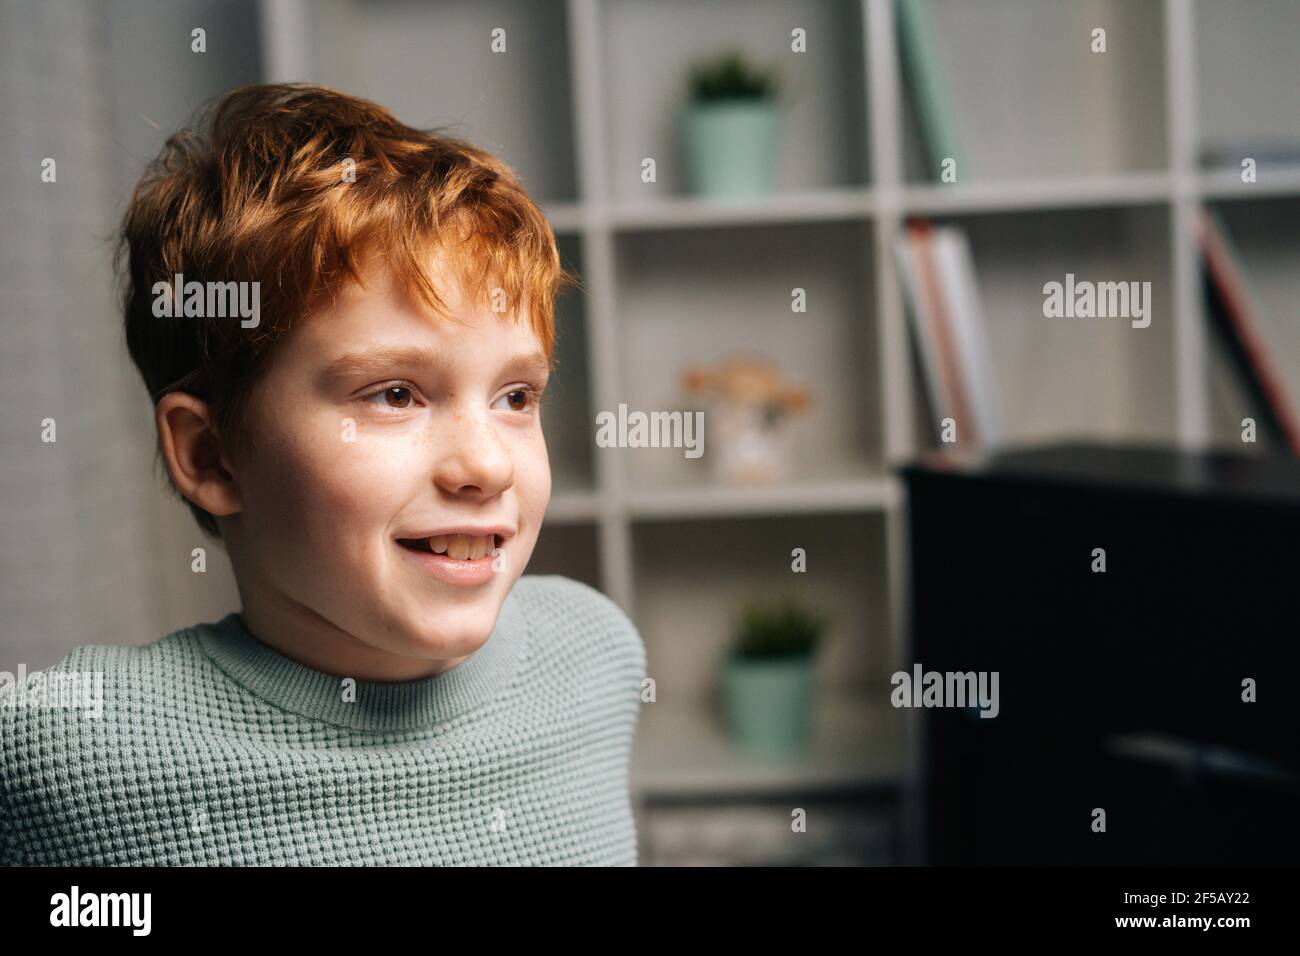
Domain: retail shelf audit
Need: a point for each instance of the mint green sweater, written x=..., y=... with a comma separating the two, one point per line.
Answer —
x=213, y=748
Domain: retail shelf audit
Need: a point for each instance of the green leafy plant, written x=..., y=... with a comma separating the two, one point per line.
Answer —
x=781, y=628
x=730, y=76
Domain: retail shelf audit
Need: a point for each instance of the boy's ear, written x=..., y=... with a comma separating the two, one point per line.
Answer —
x=190, y=447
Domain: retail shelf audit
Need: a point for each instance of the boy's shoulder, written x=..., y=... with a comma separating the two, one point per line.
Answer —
x=570, y=616
x=86, y=666
x=85, y=689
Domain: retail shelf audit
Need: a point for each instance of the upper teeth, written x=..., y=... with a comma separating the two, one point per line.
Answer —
x=461, y=546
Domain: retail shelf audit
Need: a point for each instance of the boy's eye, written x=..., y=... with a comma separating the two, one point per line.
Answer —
x=395, y=396
x=526, y=398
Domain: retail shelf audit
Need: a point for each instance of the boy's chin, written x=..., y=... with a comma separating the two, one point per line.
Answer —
x=457, y=633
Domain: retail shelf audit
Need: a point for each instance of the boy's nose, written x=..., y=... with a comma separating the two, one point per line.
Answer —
x=470, y=453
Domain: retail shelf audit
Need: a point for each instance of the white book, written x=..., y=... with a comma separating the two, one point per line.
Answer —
x=922, y=322
x=961, y=289
x=957, y=322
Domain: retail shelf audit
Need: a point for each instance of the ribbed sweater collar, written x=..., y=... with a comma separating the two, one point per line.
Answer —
x=379, y=705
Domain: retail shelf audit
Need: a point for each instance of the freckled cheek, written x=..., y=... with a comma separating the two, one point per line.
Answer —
x=326, y=492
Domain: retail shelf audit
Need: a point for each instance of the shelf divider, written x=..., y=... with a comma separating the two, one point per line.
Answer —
x=598, y=255
x=1190, y=360
x=884, y=103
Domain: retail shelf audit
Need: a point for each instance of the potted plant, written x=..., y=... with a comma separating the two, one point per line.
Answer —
x=768, y=675
x=730, y=127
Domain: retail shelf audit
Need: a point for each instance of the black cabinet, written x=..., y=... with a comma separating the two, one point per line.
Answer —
x=1119, y=690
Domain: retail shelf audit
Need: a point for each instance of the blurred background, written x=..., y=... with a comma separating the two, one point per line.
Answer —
x=827, y=224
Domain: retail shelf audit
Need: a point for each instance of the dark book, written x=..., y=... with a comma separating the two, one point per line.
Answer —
x=1232, y=316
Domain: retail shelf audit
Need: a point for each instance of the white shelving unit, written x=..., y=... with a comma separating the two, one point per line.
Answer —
x=1075, y=161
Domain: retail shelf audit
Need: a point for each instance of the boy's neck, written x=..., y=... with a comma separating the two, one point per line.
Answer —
x=304, y=636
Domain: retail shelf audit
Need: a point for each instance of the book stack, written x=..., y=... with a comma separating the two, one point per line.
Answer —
x=948, y=329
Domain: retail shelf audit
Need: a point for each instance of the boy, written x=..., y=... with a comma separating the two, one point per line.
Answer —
x=366, y=441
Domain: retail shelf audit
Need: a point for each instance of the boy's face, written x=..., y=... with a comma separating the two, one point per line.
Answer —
x=377, y=423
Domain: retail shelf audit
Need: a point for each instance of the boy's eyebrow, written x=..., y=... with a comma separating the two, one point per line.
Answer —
x=528, y=363
x=376, y=361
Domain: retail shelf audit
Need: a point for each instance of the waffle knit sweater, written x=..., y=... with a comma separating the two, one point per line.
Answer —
x=214, y=749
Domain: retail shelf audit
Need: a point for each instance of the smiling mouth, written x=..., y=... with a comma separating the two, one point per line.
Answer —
x=458, y=547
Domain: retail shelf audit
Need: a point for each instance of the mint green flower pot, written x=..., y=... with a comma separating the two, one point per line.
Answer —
x=769, y=702
x=730, y=147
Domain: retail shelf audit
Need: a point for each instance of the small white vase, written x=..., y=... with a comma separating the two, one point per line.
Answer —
x=747, y=448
